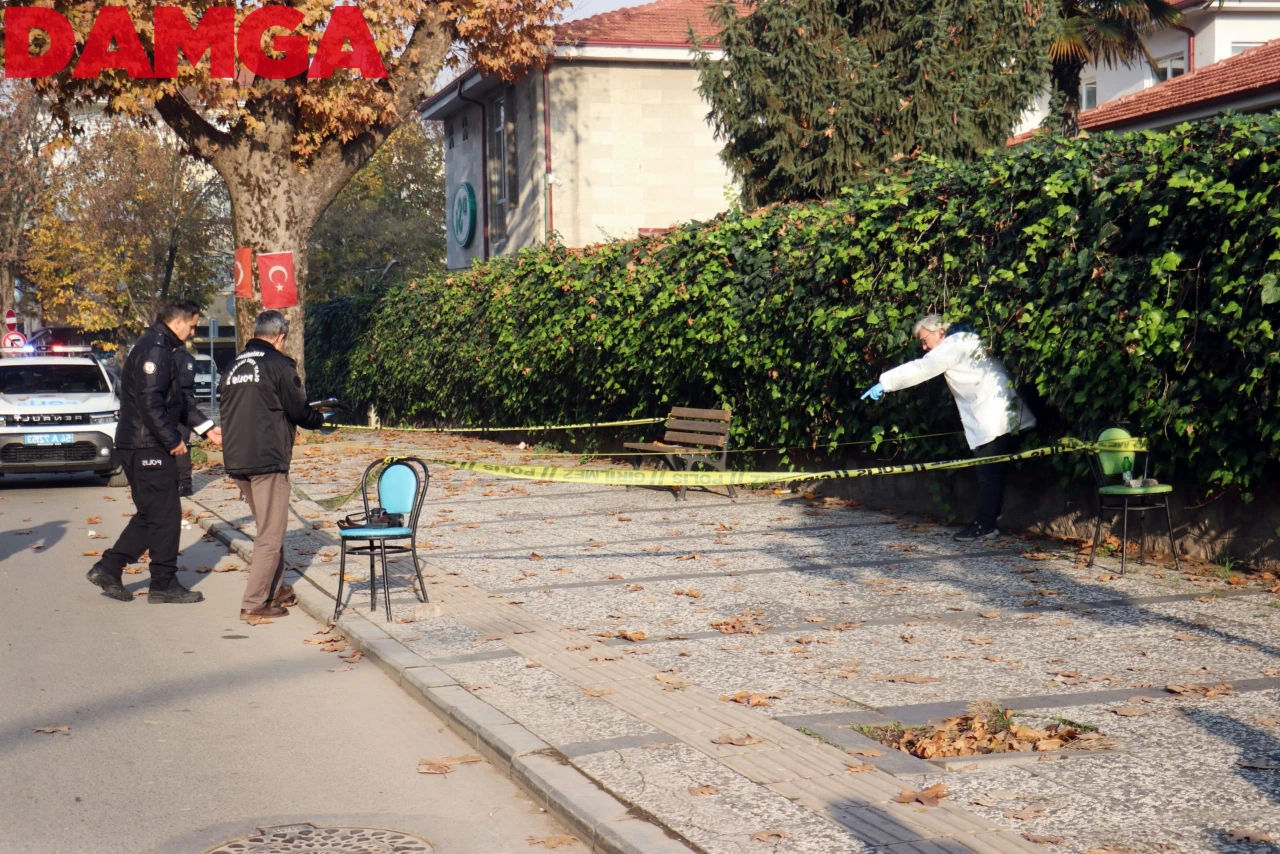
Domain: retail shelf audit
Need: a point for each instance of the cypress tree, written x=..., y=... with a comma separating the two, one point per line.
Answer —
x=811, y=94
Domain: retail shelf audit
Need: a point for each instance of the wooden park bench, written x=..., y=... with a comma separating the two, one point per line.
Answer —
x=693, y=436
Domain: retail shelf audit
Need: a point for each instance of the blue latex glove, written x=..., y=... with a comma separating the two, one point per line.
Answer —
x=875, y=392
x=326, y=415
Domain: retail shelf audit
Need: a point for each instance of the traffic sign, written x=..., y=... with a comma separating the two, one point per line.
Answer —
x=213, y=328
x=11, y=320
x=13, y=339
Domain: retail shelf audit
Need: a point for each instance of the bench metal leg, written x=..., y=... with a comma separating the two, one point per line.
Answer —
x=1173, y=547
x=1097, y=535
x=342, y=571
x=1124, y=538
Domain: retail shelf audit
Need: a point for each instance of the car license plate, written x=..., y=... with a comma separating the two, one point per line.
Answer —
x=49, y=439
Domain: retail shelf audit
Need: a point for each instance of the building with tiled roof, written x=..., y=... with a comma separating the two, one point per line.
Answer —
x=1211, y=33
x=610, y=140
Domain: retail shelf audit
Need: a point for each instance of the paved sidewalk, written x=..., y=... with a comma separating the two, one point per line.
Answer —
x=864, y=618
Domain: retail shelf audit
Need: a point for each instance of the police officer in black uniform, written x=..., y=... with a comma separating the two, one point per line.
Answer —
x=184, y=364
x=151, y=409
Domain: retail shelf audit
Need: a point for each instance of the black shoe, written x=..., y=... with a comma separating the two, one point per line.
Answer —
x=175, y=594
x=110, y=585
x=974, y=531
x=185, y=491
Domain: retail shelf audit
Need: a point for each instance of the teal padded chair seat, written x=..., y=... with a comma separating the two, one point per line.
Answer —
x=367, y=533
x=1159, y=489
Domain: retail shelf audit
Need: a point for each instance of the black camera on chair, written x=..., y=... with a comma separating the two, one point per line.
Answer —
x=377, y=518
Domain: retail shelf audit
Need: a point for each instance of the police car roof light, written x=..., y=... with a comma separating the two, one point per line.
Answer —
x=46, y=350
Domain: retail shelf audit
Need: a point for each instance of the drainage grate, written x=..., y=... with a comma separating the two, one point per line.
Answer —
x=299, y=838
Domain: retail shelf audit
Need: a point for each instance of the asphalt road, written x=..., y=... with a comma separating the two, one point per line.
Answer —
x=190, y=728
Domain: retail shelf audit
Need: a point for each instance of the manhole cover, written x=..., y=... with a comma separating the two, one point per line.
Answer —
x=309, y=839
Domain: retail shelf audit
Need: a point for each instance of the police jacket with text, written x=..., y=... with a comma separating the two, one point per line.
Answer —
x=152, y=404
x=262, y=403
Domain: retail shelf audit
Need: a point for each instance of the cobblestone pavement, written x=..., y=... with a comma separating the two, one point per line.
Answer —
x=861, y=618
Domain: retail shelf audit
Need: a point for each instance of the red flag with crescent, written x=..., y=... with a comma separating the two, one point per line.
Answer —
x=276, y=280
x=244, y=273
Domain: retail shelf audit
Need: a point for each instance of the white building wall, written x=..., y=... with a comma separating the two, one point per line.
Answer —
x=632, y=149
x=462, y=164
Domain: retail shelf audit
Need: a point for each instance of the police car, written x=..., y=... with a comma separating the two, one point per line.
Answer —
x=58, y=413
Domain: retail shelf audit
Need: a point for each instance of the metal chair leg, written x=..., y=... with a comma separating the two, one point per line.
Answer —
x=1173, y=546
x=1097, y=534
x=342, y=571
x=1124, y=538
x=417, y=568
x=1142, y=538
x=373, y=576
x=386, y=580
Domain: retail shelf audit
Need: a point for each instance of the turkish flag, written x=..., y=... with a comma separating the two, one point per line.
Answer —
x=276, y=280
x=244, y=273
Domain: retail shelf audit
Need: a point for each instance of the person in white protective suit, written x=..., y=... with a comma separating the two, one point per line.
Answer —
x=990, y=410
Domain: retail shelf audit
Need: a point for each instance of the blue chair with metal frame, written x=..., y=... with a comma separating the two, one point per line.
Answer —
x=402, y=488
x=1122, y=499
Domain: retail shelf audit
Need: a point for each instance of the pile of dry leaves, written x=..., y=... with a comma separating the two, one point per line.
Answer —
x=986, y=729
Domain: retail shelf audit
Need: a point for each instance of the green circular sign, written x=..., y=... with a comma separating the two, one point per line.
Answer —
x=463, y=215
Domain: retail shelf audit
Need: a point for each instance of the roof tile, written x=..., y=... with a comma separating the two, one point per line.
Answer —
x=662, y=24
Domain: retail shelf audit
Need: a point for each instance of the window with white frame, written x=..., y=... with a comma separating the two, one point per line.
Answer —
x=1169, y=67
x=1088, y=94
x=1238, y=48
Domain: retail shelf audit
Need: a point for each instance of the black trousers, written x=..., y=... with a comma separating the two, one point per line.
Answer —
x=184, y=460
x=991, y=478
x=157, y=524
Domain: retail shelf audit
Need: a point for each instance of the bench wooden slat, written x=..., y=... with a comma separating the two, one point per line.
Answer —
x=709, y=414
x=695, y=439
x=717, y=428
x=650, y=446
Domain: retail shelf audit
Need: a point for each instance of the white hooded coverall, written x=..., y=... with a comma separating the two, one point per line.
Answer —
x=989, y=406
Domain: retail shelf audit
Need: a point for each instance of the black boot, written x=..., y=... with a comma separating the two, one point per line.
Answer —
x=174, y=594
x=110, y=584
x=185, y=490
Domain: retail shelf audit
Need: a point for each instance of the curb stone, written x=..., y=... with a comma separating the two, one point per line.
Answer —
x=600, y=819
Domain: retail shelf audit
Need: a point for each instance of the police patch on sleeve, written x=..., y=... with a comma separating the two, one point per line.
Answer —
x=149, y=367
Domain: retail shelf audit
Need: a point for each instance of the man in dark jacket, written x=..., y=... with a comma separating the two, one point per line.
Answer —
x=184, y=365
x=262, y=405
x=151, y=409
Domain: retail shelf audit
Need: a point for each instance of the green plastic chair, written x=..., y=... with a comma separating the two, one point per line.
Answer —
x=1115, y=497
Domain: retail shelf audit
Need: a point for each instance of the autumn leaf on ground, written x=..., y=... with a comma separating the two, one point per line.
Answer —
x=909, y=678
x=1201, y=692
x=671, y=681
x=49, y=730
x=857, y=769
x=94, y=520
x=1027, y=814
x=597, y=692
x=689, y=556
x=634, y=637
x=536, y=556
x=445, y=764
x=703, y=790
x=736, y=740
x=1260, y=766
x=1128, y=710
x=92, y=554
x=1267, y=721
x=865, y=751
x=769, y=835
x=551, y=841
x=980, y=641
x=1242, y=834
x=1041, y=839
x=746, y=698
x=488, y=638
x=989, y=615
x=259, y=621
x=929, y=797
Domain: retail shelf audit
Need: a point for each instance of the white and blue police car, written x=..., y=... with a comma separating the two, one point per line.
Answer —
x=58, y=413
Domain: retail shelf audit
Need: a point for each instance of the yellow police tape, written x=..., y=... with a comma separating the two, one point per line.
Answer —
x=645, y=477
x=539, y=428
